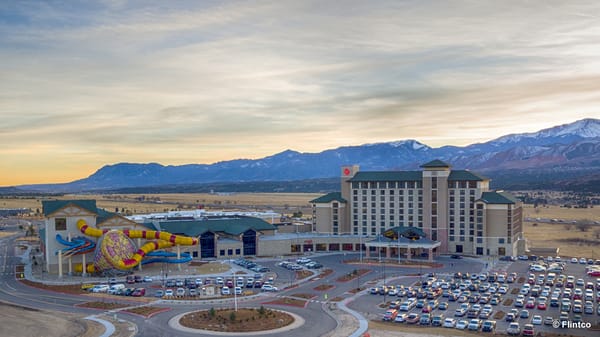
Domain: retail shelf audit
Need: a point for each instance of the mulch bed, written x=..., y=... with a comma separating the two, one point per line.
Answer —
x=66, y=288
x=302, y=274
x=102, y=305
x=289, y=301
x=242, y=320
x=499, y=315
x=352, y=275
x=307, y=296
x=148, y=311
x=324, y=287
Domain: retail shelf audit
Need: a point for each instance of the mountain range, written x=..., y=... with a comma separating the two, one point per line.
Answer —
x=557, y=155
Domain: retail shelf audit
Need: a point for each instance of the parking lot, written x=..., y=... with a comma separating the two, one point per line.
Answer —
x=508, y=293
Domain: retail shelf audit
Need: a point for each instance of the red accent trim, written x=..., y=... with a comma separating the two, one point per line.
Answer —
x=157, y=235
x=172, y=238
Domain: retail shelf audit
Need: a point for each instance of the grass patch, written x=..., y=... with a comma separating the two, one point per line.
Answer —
x=288, y=301
x=242, y=320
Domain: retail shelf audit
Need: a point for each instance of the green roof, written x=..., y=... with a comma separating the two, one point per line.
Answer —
x=405, y=230
x=229, y=225
x=51, y=206
x=466, y=175
x=329, y=197
x=104, y=215
x=388, y=176
x=498, y=198
x=435, y=163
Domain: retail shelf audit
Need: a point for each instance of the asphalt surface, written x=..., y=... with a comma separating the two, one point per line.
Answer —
x=317, y=321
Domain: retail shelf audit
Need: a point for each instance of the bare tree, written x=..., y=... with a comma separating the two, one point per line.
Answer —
x=584, y=224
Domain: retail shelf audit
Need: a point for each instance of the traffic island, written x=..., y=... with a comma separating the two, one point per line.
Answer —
x=245, y=321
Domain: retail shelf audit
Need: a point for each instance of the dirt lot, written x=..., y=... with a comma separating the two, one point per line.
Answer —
x=17, y=321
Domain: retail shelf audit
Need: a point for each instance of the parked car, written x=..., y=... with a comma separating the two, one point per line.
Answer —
x=390, y=315
x=449, y=323
x=514, y=329
x=139, y=292
x=401, y=317
x=488, y=326
x=528, y=330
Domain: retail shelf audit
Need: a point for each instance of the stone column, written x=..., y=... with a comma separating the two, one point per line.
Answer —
x=60, y=273
x=430, y=254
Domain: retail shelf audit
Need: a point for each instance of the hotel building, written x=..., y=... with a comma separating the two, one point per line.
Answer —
x=454, y=208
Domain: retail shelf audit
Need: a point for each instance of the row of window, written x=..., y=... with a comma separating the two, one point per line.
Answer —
x=452, y=184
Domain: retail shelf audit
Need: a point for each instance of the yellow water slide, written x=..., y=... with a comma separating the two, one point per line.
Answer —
x=161, y=240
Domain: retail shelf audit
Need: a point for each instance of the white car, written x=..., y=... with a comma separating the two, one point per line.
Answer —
x=100, y=288
x=180, y=292
x=225, y=291
x=537, y=268
x=574, y=260
x=147, y=279
x=169, y=293
x=462, y=324
x=449, y=323
x=268, y=287
x=401, y=318
x=536, y=320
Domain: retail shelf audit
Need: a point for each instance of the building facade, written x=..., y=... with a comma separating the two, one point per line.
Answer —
x=453, y=207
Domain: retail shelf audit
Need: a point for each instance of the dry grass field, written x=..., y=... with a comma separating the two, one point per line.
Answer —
x=571, y=240
x=286, y=203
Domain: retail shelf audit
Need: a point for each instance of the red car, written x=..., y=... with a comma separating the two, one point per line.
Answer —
x=594, y=273
x=530, y=305
x=541, y=306
x=139, y=292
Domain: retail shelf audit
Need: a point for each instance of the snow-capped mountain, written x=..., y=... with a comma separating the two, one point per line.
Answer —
x=572, y=147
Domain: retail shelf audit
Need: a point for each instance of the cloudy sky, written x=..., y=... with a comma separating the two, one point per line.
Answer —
x=84, y=84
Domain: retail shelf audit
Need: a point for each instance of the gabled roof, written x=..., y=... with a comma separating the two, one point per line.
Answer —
x=435, y=164
x=229, y=225
x=51, y=206
x=104, y=215
x=388, y=176
x=329, y=197
x=466, y=175
x=499, y=197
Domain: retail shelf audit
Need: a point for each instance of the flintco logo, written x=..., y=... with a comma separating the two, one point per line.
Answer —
x=571, y=325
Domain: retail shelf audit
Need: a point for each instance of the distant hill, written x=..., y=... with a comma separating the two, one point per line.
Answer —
x=559, y=157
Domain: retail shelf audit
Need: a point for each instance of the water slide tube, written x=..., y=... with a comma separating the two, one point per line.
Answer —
x=163, y=240
x=78, y=245
x=167, y=257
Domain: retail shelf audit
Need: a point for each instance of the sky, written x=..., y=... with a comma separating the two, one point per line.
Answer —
x=84, y=84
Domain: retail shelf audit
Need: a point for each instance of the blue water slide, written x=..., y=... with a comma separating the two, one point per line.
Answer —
x=76, y=245
x=166, y=257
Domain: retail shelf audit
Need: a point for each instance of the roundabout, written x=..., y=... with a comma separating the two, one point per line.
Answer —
x=243, y=322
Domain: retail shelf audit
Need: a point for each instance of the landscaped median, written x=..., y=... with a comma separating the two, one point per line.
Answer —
x=241, y=320
x=353, y=274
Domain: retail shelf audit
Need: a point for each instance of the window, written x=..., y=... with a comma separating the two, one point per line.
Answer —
x=60, y=224
x=222, y=252
x=433, y=182
x=501, y=240
x=237, y=251
x=229, y=251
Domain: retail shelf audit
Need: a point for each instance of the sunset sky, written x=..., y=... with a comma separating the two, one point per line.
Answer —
x=84, y=84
